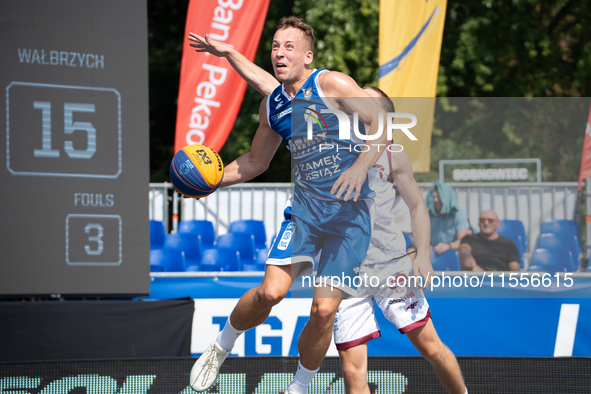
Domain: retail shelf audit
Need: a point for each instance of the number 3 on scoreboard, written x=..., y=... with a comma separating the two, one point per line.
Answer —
x=98, y=238
x=93, y=239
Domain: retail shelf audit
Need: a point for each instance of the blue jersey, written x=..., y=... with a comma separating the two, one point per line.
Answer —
x=312, y=136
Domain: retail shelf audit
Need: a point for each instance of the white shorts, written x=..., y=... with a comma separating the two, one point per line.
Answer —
x=405, y=306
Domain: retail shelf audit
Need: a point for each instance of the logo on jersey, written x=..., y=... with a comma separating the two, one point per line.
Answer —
x=308, y=93
x=412, y=306
x=280, y=115
x=279, y=100
x=381, y=170
x=311, y=116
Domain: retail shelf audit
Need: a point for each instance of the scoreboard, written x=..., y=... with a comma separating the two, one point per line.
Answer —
x=74, y=187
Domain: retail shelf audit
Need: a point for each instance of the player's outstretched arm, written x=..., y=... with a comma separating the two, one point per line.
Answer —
x=401, y=174
x=259, y=79
x=253, y=163
x=349, y=97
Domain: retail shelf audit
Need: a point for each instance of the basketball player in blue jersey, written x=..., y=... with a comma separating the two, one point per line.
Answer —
x=355, y=323
x=291, y=58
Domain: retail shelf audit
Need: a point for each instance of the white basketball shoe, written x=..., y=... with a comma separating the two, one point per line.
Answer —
x=207, y=367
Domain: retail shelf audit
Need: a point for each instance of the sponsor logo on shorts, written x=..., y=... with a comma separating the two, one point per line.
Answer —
x=412, y=306
x=399, y=279
x=393, y=283
x=401, y=299
x=286, y=238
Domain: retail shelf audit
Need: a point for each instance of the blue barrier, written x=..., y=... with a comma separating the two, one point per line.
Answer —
x=450, y=285
x=172, y=287
x=524, y=327
x=490, y=320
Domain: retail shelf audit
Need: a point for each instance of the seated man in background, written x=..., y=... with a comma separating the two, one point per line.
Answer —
x=487, y=250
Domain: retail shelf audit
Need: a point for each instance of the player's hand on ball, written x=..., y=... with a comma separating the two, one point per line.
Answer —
x=186, y=197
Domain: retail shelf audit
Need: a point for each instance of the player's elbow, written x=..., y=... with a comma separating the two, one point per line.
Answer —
x=261, y=166
x=257, y=166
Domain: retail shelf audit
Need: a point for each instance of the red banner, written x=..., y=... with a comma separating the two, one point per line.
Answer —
x=210, y=91
x=586, y=156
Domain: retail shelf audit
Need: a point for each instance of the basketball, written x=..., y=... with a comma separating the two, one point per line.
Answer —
x=196, y=171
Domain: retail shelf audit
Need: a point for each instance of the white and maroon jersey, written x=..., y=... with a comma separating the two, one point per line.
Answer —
x=387, y=240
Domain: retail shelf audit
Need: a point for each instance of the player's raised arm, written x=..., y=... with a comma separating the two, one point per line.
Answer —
x=253, y=163
x=352, y=99
x=401, y=174
x=259, y=79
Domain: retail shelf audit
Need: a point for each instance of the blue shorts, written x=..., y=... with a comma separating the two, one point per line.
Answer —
x=342, y=230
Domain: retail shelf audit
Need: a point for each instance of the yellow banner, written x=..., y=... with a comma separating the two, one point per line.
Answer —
x=410, y=42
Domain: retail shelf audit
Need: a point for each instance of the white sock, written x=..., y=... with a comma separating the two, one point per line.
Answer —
x=228, y=336
x=301, y=380
x=466, y=390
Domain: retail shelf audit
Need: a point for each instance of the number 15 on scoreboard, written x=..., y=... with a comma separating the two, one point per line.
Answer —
x=64, y=131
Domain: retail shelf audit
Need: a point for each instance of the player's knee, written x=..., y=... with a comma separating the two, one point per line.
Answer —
x=323, y=312
x=434, y=352
x=354, y=375
x=271, y=295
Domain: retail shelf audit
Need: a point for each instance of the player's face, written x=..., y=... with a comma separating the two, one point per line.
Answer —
x=488, y=222
x=290, y=54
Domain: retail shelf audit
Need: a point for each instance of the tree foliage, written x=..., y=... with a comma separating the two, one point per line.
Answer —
x=166, y=30
x=502, y=48
x=516, y=48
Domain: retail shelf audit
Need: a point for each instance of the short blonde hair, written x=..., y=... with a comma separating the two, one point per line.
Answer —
x=297, y=23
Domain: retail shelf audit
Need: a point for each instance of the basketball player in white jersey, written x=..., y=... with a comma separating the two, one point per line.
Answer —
x=406, y=307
